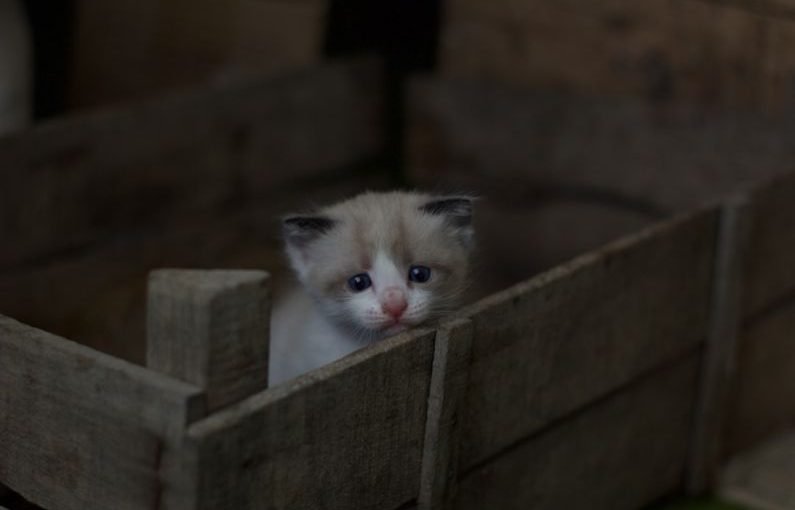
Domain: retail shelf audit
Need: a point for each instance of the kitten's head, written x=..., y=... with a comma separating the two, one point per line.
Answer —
x=382, y=262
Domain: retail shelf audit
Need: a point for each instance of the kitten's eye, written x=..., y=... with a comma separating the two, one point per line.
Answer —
x=359, y=282
x=419, y=274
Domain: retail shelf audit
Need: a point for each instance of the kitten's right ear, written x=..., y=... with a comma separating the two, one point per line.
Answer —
x=457, y=211
x=302, y=230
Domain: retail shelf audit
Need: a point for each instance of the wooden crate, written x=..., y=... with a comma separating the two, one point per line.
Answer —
x=405, y=422
x=599, y=382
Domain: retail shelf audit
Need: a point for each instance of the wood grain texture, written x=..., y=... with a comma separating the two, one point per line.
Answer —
x=763, y=394
x=75, y=181
x=556, y=342
x=660, y=50
x=348, y=435
x=210, y=328
x=719, y=360
x=83, y=430
x=443, y=423
x=770, y=280
x=624, y=452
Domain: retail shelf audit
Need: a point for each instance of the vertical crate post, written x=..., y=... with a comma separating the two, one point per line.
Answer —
x=210, y=328
x=439, y=470
x=717, y=366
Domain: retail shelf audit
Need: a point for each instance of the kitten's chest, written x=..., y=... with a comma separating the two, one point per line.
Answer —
x=302, y=338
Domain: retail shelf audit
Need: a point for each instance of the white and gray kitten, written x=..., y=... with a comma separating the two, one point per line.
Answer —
x=369, y=267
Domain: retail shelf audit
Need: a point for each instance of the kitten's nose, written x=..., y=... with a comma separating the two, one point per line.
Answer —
x=394, y=302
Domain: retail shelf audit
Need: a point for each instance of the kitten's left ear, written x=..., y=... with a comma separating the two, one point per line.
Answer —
x=301, y=230
x=457, y=212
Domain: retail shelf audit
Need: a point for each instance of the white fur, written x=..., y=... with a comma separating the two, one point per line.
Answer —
x=366, y=307
x=303, y=339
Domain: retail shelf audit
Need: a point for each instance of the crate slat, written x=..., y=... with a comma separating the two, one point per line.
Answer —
x=349, y=435
x=621, y=453
x=451, y=359
x=764, y=389
x=80, y=429
x=210, y=328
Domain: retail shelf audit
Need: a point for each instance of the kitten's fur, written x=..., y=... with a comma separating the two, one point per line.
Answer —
x=382, y=235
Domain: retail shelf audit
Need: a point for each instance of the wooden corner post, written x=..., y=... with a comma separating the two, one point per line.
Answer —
x=210, y=328
x=439, y=471
x=718, y=360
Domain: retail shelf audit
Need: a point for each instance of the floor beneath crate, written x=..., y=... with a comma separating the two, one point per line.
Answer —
x=763, y=478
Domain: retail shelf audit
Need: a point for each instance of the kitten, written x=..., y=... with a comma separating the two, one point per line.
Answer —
x=369, y=267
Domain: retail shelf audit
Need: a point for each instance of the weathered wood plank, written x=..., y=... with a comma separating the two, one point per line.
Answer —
x=68, y=183
x=719, y=359
x=624, y=452
x=764, y=393
x=764, y=390
x=83, y=430
x=689, y=50
x=443, y=423
x=770, y=280
x=210, y=328
x=283, y=448
x=579, y=331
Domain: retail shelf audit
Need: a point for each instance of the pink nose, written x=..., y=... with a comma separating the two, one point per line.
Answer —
x=394, y=302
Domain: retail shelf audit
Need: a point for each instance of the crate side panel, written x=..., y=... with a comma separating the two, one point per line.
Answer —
x=353, y=429
x=763, y=397
x=80, y=429
x=555, y=343
x=770, y=272
x=621, y=453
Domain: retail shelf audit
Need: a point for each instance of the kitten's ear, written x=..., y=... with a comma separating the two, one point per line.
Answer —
x=301, y=230
x=457, y=212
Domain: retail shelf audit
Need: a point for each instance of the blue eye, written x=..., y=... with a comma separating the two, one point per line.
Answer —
x=419, y=274
x=359, y=282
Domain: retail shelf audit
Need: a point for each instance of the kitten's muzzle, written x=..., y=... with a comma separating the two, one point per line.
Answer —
x=393, y=302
